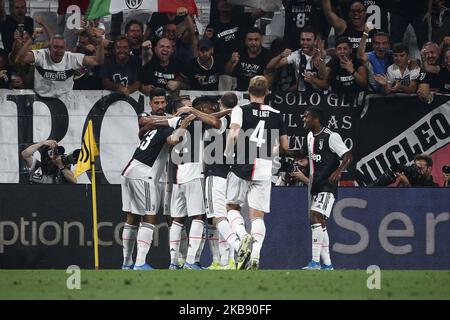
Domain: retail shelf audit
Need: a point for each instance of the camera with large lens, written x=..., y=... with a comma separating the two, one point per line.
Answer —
x=71, y=158
x=388, y=177
x=446, y=169
x=290, y=166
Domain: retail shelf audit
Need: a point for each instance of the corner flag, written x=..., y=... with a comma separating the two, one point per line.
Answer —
x=88, y=151
x=86, y=161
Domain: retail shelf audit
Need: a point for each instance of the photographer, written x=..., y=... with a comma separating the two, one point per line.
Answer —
x=415, y=175
x=423, y=164
x=294, y=172
x=54, y=166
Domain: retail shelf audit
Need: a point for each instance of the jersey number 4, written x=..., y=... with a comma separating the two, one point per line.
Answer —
x=146, y=141
x=258, y=134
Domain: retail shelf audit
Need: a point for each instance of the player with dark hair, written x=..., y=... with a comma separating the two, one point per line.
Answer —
x=216, y=172
x=140, y=188
x=325, y=149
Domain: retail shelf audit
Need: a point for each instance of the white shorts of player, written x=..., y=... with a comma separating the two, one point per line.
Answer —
x=139, y=197
x=257, y=192
x=165, y=189
x=322, y=203
x=216, y=192
x=188, y=199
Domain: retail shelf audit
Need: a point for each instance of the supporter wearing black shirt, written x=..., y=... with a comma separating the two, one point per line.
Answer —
x=162, y=71
x=376, y=12
x=156, y=24
x=135, y=34
x=298, y=15
x=345, y=74
x=229, y=29
x=120, y=72
x=353, y=29
x=249, y=62
x=202, y=73
x=429, y=79
x=10, y=23
x=444, y=73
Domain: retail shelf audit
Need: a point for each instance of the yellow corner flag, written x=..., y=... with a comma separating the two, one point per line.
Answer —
x=86, y=161
x=88, y=151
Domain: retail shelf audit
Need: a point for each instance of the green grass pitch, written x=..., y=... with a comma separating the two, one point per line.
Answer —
x=226, y=285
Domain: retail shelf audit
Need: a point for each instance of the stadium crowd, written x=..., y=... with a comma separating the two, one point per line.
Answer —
x=168, y=52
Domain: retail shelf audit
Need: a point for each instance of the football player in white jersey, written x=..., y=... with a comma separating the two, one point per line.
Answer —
x=257, y=129
x=140, y=195
x=325, y=149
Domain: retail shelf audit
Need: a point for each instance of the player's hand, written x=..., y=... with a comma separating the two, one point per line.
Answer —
x=335, y=176
x=185, y=109
x=187, y=121
x=235, y=58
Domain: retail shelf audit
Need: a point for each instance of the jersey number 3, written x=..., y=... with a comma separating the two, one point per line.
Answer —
x=146, y=141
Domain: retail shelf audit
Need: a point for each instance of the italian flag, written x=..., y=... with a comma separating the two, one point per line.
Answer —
x=100, y=8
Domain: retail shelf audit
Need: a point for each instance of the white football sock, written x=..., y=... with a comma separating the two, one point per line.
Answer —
x=195, y=239
x=213, y=239
x=183, y=246
x=325, y=252
x=237, y=223
x=202, y=245
x=129, y=235
x=258, y=233
x=230, y=237
x=317, y=239
x=174, y=241
x=224, y=249
x=144, y=242
x=231, y=253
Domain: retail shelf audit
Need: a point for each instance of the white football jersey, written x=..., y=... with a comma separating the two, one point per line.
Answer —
x=55, y=79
